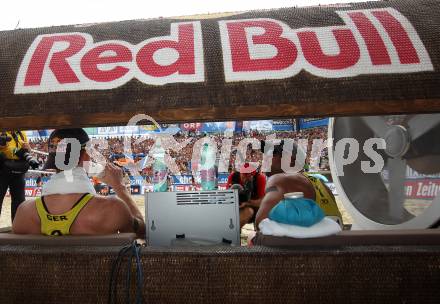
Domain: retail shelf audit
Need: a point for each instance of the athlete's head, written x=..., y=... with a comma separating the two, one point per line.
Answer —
x=66, y=149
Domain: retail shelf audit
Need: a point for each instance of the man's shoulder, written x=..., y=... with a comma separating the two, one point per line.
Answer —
x=111, y=212
x=107, y=201
x=109, y=206
x=286, y=177
x=28, y=204
x=26, y=219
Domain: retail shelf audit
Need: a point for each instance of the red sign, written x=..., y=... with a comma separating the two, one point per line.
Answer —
x=369, y=41
x=192, y=126
x=72, y=61
x=422, y=188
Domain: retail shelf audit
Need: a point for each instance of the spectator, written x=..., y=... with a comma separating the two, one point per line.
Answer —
x=253, y=184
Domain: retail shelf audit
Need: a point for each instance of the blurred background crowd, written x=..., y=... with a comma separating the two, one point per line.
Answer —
x=112, y=147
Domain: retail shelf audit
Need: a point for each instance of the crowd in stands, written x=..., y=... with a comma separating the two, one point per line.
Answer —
x=112, y=148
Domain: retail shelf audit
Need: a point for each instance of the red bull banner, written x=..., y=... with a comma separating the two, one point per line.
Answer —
x=281, y=63
x=370, y=41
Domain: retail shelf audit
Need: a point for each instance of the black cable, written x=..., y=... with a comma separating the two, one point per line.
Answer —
x=115, y=272
x=128, y=279
x=139, y=275
x=131, y=250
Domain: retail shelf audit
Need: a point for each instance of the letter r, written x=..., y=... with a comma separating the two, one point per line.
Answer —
x=58, y=61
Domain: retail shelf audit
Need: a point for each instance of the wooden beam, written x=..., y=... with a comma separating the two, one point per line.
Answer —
x=223, y=114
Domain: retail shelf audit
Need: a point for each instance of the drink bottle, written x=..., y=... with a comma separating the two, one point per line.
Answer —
x=160, y=171
x=208, y=168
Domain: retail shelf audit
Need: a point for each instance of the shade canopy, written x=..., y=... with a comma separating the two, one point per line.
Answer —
x=351, y=59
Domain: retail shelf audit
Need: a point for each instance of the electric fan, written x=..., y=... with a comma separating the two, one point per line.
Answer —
x=404, y=193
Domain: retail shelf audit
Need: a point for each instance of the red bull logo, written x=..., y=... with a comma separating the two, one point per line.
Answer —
x=370, y=41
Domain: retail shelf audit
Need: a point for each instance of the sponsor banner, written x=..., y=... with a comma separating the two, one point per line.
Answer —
x=282, y=128
x=36, y=134
x=218, y=127
x=107, y=130
x=170, y=128
x=191, y=126
x=114, y=131
x=247, y=66
x=306, y=123
x=182, y=179
x=282, y=121
x=422, y=188
x=183, y=188
x=166, y=128
x=32, y=182
x=193, y=188
x=128, y=130
x=30, y=134
x=147, y=129
x=364, y=41
x=187, y=179
x=239, y=126
x=257, y=125
x=138, y=180
x=43, y=133
x=426, y=188
x=412, y=174
x=283, y=125
x=30, y=192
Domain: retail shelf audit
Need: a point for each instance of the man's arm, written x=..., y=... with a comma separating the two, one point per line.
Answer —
x=121, y=217
x=114, y=178
x=273, y=195
x=138, y=222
